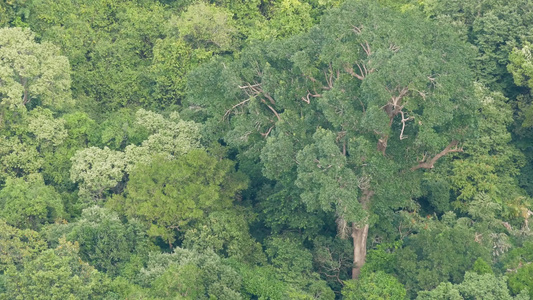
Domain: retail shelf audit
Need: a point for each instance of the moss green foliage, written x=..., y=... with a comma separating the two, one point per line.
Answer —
x=281, y=149
x=104, y=240
x=474, y=286
x=175, y=195
x=205, y=276
x=226, y=233
x=29, y=203
x=56, y=274
x=377, y=285
x=18, y=246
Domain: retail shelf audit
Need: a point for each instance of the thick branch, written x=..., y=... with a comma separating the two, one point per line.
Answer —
x=392, y=109
x=329, y=79
x=394, y=106
x=382, y=144
x=429, y=163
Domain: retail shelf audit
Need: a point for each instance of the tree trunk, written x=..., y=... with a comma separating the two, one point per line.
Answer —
x=359, y=236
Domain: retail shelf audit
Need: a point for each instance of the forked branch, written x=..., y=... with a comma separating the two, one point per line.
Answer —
x=307, y=100
x=329, y=79
x=362, y=70
x=404, y=119
x=356, y=29
x=255, y=90
x=265, y=134
x=366, y=48
x=426, y=163
x=329, y=75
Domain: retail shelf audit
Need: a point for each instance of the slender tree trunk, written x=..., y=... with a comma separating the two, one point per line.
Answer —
x=359, y=236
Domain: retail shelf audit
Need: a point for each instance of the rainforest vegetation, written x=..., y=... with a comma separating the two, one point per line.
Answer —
x=266, y=149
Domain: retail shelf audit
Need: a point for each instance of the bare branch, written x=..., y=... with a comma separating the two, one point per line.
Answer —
x=429, y=163
x=362, y=70
x=382, y=144
x=366, y=48
x=507, y=226
x=272, y=109
x=269, y=98
x=307, y=100
x=329, y=80
x=235, y=106
x=250, y=86
x=404, y=119
x=397, y=100
x=478, y=237
x=356, y=29
x=265, y=135
x=362, y=105
x=255, y=90
x=395, y=106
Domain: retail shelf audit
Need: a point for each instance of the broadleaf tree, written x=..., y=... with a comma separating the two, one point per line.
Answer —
x=363, y=103
x=31, y=73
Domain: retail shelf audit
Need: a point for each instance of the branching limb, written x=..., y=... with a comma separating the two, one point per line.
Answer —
x=235, y=106
x=307, y=100
x=366, y=48
x=429, y=163
x=356, y=29
x=404, y=119
x=362, y=70
x=329, y=79
x=255, y=90
x=394, y=48
x=265, y=135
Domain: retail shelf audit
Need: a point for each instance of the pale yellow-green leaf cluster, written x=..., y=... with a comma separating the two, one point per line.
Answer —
x=30, y=71
x=46, y=128
x=170, y=138
x=97, y=170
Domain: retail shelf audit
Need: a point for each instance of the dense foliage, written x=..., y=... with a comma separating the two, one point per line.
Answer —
x=283, y=149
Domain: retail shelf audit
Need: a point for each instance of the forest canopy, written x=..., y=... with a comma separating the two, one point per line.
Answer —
x=284, y=149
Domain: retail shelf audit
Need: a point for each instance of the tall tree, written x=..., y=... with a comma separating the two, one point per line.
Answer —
x=348, y=115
